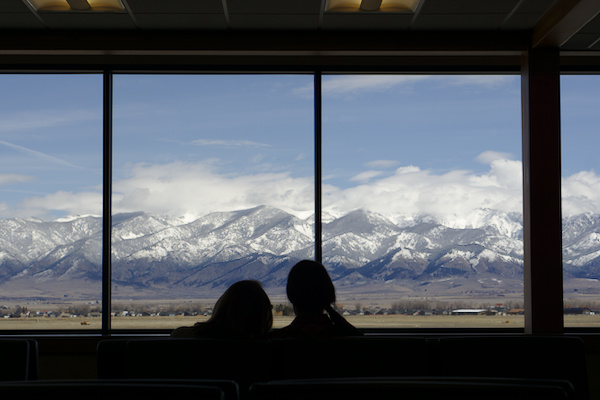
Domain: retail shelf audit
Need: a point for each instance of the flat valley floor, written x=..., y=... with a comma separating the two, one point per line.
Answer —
x=360, y=321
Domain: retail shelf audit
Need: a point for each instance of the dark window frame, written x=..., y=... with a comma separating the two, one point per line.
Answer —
x=547, y=63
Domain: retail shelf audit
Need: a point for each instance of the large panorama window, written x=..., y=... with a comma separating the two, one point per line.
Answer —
x=422, y=200
x=580, y=96
x=51, y=200
x=213, y=181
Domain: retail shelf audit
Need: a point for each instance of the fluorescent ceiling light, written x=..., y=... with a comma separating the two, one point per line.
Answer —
x=399, y=6
x=77, y=5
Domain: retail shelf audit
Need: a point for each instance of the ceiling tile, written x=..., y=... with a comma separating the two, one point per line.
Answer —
x=596, y=46
x=181, y=21
x=468, y=6
x=458, y=22
x=271, y=21
x=175, y=6
x=61, y=20
x=19, y=21
x=581, y=41
x=520, y=21
x=13, y=6
x=535, y=6
x=593, y=26
x=274, y=6
x=364, y=21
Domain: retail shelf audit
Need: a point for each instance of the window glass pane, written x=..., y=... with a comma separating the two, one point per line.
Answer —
x=213, y=182
x=51, y=201
x=422, y=183
x=580, y=120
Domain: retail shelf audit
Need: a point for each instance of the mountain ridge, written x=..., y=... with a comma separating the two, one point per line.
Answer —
x=158, y=254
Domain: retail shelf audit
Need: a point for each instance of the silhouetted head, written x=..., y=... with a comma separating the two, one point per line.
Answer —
x=243, y=312
x=309, y=288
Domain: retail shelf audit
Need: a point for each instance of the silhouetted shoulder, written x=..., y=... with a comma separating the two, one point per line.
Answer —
x=315, y=327
x=183, y=332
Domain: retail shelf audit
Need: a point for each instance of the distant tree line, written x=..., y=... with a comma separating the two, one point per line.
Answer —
x=405, y=306
x=177, y=309
x=285, y=310
x=581, y=303
x=412, y=305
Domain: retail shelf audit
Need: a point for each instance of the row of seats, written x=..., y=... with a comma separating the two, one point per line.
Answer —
x=465, y=367
x=19, y=359
x=259, y=364
x=317, y=389
x=118, y=390
x=413, y=388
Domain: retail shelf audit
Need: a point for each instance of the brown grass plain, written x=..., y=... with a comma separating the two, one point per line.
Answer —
x=360, y=321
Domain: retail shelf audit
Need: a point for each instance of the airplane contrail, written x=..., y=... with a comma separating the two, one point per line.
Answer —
x=39, y=154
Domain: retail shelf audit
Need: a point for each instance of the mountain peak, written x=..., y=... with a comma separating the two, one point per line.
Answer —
x=360, y=221
x=162, y=252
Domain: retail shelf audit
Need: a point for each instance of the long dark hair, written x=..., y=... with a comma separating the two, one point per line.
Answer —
x=242, y=312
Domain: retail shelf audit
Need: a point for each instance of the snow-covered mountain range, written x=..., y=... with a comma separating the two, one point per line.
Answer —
x=364, y=252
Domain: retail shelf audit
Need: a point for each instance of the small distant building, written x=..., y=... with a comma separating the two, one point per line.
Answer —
x=516, y=311
x=469, y=311
x=577, y=311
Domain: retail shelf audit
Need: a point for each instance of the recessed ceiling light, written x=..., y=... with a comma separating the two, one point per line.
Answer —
x=398, y=6
x=77, y=5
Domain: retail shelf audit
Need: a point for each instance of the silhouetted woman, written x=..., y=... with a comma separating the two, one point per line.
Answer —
x=242, y=312
x=311, y=292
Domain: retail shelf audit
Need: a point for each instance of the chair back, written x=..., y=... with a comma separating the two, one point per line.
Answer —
x=349, y=357
x=19, y=359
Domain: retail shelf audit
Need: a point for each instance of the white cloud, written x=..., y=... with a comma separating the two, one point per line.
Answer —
x=229, y=143
x=489, y=156
x=42, y=119
x=5, y=210
x=195, y=189
x=343, y=84
x=365, y=176
x=581, y=193
x=82, y=203
x=354, y=83
x=456, y=194
x=347, y=84
x=6, y=179
x=481, y=80
x=382, y=164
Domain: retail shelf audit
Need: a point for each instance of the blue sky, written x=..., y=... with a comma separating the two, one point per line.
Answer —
x=188, y=144
x=580, y=119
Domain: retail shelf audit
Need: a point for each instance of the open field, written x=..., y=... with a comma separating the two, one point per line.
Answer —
x=367, y=321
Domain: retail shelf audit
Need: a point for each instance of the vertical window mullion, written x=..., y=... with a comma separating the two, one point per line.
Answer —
x=542, y=224
x=106, y=201
x=318, y=196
